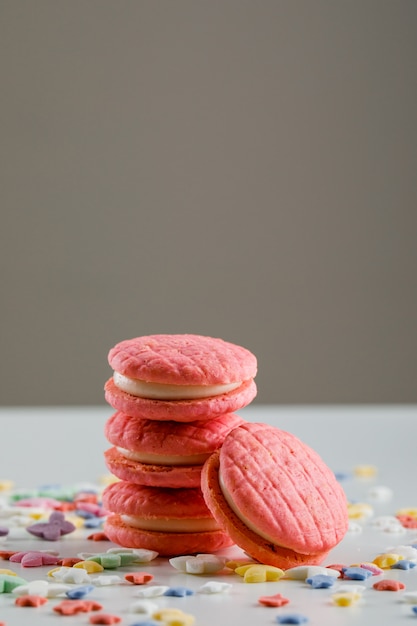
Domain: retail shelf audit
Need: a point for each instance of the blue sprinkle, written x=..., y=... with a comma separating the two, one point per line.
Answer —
x=414, y=609
x=403, y=564
x=320, y=581
x=93, y=522
x=291, y=618
x=342, y=476
x=356, y=573
x=84, y=514
x=79, y=592
x=178, y=592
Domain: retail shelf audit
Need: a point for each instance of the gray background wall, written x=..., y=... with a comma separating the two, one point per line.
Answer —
x=242, y=169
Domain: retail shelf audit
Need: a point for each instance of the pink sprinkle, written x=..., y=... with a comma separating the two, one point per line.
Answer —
x=34, y=558
x=44, y=503
x=105, y=618
x=389, y=585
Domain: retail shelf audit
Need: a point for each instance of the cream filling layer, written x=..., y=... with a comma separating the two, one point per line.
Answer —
x=240, y=515
x=171, y=525
x=159, y=391
x=162, y=459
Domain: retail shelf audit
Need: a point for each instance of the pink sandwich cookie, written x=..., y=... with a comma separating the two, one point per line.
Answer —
x=275, y=497
x=170, y=521
x=182, y=378
x=163, y=454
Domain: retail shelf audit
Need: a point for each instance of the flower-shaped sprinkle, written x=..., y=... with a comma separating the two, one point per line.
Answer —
x=56, y=527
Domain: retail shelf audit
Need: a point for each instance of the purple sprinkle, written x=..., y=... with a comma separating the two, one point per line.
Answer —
x=4, y=531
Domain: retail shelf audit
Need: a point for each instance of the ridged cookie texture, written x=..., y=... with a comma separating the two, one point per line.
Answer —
x=185, y=362
x=285, y=506
x=182, y=360
x=180, y=410
x=156, y=506
x=173, y=446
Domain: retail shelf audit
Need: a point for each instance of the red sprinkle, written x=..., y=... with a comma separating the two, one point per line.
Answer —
x=339, y=567
x=29, y=600
x=139, y=578
x=105, y=618
x=388, y=585
x=6, y=554
x=276, y=600
x=408, y=521
x=98, y=537
x=71, y=607
x=69, y=561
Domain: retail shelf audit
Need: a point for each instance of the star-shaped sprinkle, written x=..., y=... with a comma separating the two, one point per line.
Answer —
x=104, y=618
x=53, y=529
x=179, y=592
x=389, y=585
x=200, y=564
x=356, y=573
x=404, y=564
x=105, y=581
x=345, y=598
x=72, y=607
x=387, y=559
x=292, y=618
x=274, y=601
x=171, y=616
x=8, y=583
x=410, y=597
x=30, y=600
x=79, y=592
x=145, y=607
x=214, y=586
x=70, y=575
x=34, y=558
x=321, y=581
x=41, y=588
x=301, y=572
x=138, y=578
x=259, y=573
x=140, y=555
x=151, y=591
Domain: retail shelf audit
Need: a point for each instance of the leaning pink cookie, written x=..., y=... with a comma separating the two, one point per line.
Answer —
x=170, y=521
x=180, y=377
x=163, y=453
x=275, y=497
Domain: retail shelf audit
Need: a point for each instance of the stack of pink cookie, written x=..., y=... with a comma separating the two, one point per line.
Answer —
x=175, y=397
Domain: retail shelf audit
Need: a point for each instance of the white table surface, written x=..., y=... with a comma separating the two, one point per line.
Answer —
x=64, y=446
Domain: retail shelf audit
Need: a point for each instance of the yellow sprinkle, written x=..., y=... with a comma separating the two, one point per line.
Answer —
x=8, y=572
x=92, y=567
x=360, y=510
x=365, y=471
x=412, y=512
x=38, y=516
x=108, y=479
x=259, y=573
x=50, y=574
x=6, y=485
x=173, y=617
x=384, y=561
x=239, y=563
x=345, y=599
x=77, y=521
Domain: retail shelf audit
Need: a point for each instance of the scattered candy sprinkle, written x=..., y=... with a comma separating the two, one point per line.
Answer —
x=30, y=601
x=386, y=560
x=178, y=592
x=34, y=558
x=213, y=586
x=365, y=471
x=259, y=573
x=72, y=607
x=319, y=581
x=292, y=618
x=356, y=573
x=200, y=564
x=145, y=607
x=138, y=578
x=79, y=592
x=104, y=618
x=151, y=591
x=345, y=598
x=388, y=585
x=274, y=601
x=56, y=527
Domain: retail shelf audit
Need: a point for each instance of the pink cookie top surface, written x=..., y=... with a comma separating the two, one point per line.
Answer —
x=127, y=498
x=168, y=437
x=182, y=360
x=282, y=487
